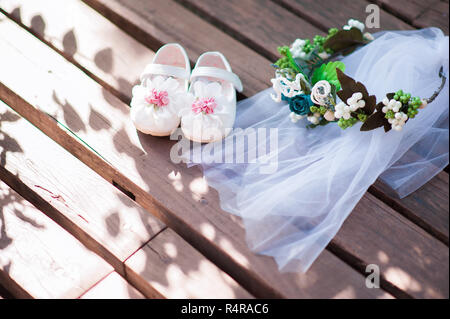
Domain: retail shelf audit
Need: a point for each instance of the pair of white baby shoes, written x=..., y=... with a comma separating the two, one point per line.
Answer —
x=204, y=101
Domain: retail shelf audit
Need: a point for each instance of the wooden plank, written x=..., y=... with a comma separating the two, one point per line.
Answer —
x=104, y=219
x=141, y=162
x=253, y=30
x=112, y=287
x=5, y=294
x=85, y=37
x=263, y=25
x=435, y=16
x=100, y=215
x=38, y=258
x=159, y=21
x=427, y=207
x=408, y=10
x=329, y=14
x=167, y=256
x=409, y=258
x=70, y=17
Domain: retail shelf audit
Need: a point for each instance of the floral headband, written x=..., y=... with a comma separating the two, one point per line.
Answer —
x=308, y=79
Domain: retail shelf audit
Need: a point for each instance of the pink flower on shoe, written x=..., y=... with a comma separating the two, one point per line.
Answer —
x=158, y=98
x=204, y=105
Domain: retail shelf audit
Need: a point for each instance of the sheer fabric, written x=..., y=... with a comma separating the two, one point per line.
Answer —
x=294, y=200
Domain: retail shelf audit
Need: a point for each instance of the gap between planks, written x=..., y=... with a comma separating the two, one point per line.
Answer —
x=103, y=219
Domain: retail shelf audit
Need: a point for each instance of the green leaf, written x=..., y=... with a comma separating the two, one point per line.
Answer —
x=328, y=72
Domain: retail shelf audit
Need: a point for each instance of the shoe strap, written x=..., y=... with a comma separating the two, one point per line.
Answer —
x=167, y=70
x=218, y=74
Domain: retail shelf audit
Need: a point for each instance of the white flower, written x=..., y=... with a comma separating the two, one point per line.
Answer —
x=424, y=104
x=352, y=23
x=320, y=92
x=205, y=112
x=393, y=105
x=399, y=121
x=344, y=110
x=297, y=49
x=282, y=85
x=295, y=117
x=314, y=119
x=323, y=55
x=155, y=104
x=368, y=36
x=400, y=118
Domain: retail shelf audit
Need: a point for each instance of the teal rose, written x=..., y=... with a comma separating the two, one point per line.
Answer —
x=299, y=104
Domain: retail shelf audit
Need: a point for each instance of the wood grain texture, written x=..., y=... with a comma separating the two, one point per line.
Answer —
x=112, y=287
x=408, y=257
x=434, y=16
x=103, y=218
x=244, y=22
x=126, y=58
x=334, y=14
x=261, y=24
x=86, y=38
x=108, y=221
x=166, y=256
x=408, y=10
x=141, y=164
x=160, y=21
x=427, y=207
x=38, y=258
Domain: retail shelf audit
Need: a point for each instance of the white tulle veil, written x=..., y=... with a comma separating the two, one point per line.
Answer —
x=292, y=211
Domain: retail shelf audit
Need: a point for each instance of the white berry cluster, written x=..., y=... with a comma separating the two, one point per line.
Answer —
x=314, y=119
x=354, y=103
x=399, y=121
x=393, y=105
x=297, y=49
x=352, y=23
x=295, y=117
x=400, y=118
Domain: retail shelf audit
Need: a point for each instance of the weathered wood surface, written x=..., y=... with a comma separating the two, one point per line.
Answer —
x=104, y=219
x=112, y=287
x=328, y=14
x=409, y=258
x=131, y=55
x=168, y=256
x=35, y=265
x=194, y=33
x=137, y=157
x=122, y=157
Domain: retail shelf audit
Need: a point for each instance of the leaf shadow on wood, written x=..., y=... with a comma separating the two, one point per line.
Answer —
x=69, y=43
x=71, y=117
x=8, y=199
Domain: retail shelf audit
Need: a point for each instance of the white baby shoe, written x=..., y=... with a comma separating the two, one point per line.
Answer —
x=157, y=101
x=210, y=109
